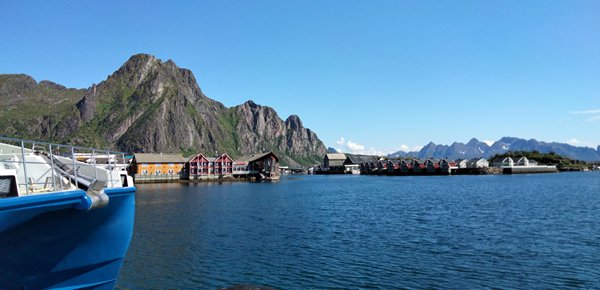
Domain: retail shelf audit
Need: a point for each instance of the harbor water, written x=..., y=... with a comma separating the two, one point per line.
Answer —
x=331, y=232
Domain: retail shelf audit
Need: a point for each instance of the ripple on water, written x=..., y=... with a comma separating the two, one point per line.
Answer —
x=331, y=232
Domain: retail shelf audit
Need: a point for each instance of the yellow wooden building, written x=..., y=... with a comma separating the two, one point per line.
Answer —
x=157, y=164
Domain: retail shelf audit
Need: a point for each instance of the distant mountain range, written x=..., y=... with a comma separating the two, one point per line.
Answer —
x=148, y=105
x=475, y=148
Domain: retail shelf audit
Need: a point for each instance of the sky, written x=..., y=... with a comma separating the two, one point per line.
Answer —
x=367, y=76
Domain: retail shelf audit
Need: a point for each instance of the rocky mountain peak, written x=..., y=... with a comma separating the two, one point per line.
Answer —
x=473, y=141
x=250, y=104
x=293, y=122
x=11, y=84
x=154, y=106
x=53, y=85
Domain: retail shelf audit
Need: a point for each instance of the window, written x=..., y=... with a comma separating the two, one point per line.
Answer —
x=144, y=164
x=171, y=171
x=145, y=171
x=157, y=171
x=157, y=164
x=171, y=164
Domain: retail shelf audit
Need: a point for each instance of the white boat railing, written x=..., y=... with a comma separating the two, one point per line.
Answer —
x=44, y=167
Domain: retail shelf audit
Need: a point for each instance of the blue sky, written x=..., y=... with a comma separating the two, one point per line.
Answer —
x=377, y=75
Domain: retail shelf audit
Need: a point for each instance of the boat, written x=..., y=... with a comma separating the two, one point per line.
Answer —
x=64, y=223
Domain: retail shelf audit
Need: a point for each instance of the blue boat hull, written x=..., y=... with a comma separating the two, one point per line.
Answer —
x=46, y=242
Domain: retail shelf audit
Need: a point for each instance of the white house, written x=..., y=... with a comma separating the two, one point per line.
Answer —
x=478, y=163
x=461, y=163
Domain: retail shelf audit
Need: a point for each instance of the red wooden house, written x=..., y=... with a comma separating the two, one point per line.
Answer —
x=223, y=165
x=198, y=165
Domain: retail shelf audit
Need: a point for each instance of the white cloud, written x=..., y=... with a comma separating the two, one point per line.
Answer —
x=595, y=113
x=355, y=147
x=593, y=118
x=573, y=141
x=348, y=146
x=488, y=142
x=586, y=112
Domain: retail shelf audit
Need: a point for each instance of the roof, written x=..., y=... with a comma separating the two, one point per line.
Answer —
x=336, y=156
x=194, y=156
x=255, y=157
x=500, y=159
x=476, y=159
x=158, y=158
x=356, y=159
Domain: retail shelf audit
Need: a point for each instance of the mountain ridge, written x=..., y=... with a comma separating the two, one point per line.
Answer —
x=150, y=105
x=475, y=148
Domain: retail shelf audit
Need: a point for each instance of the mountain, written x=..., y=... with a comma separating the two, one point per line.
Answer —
x=148, y=105
x=331, y=150
x=475, y=148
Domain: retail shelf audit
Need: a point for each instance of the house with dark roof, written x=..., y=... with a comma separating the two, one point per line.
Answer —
x=354, y=163
x=263, y=166
x=446, y=165
x=478, y=163
x=418, y=165
x=405, y=165
x=334, y=162
x=432, y=165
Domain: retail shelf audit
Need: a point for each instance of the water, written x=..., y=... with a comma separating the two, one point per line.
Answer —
x=307, y=232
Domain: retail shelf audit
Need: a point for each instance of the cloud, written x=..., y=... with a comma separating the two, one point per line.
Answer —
x=404, y=148
x=573, y=141
x=587, y=112
x=348, y=146
x=488, y=142
x=593, y=118
x=354, y=146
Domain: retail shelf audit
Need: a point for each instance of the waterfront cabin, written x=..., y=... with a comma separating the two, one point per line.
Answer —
x=381, y=165
x=334, y=162
x=149, y=166
x=198, y=166
x=223, y=165
x=503, y=162
x=261, y=166
x=202, y=167
x=521, y=161
x=355, y=162
x=478, y=163
x=418, y=165
x=447, y=165
x=391, y=166
x=432, y=165
x=461, y=163
x=405, y=165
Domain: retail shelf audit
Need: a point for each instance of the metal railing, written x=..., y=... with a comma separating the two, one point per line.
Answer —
x=44, y=166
